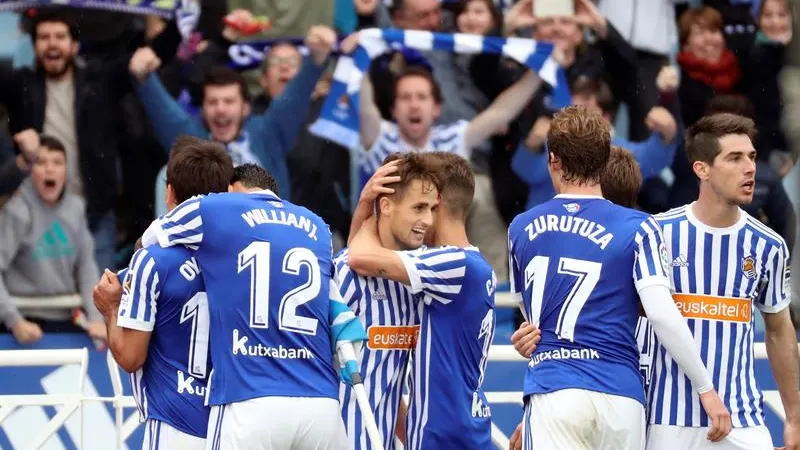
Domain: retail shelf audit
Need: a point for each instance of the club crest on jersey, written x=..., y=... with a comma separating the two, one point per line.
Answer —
x=572, y=207
x=749, y=267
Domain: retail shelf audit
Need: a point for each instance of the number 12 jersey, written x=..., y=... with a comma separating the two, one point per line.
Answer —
x=576, y=264
x=267, y=266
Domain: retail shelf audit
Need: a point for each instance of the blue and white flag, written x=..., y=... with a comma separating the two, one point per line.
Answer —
x=339, y=118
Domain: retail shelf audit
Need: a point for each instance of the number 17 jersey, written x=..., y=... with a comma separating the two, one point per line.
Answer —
x=576, y=264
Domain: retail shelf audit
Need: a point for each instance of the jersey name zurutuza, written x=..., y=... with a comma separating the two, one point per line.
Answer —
x=447, y=406
x=163, y=293
x=718, y=276
x=267, y=266
x=576, y=265
x=387, y=309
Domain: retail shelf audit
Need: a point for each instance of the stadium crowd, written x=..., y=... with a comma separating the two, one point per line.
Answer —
x=92, y=110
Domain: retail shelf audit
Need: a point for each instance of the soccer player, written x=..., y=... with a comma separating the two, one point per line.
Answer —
x=724, y=263
x=275, y=311
x=159, y=331
x=454, y=287
x=407, y=192
x=620, y=184
x=577, y=263
x=247, y=177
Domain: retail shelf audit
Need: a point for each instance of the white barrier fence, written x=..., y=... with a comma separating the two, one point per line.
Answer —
x=70, y=403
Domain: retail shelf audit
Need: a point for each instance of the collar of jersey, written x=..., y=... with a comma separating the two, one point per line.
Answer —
x=580, y=196
x=713, y=230
x=267, y=193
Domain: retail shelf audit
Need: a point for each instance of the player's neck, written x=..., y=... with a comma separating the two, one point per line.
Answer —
x=580, y=189
x=451, y=232
x=714, y=211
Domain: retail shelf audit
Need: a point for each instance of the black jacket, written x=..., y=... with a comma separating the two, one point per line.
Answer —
x=98, y=88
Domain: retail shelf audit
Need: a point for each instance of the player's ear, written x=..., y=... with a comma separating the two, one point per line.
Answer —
x=384, y=205
x=169, y=198
x=247, y=109
x=701, y=169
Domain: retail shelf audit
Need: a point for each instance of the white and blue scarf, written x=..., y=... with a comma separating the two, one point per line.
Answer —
x=339, y=120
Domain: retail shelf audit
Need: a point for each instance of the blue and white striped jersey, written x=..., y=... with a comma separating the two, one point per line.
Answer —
x=577, y=263
x=275, y=308
x=443, y=138
x=447, y=406
x=163, y=293
x=718, y=276
x=387, y=309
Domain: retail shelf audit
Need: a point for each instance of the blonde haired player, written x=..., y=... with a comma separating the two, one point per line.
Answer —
x=723, y=263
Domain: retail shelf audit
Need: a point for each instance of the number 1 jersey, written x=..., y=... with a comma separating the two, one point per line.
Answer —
x=576, y=264
x=267, y=266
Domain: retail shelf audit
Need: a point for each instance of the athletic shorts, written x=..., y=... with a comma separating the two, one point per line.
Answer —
x=160, y=435
x=277, y=423
x=668, y=437
x=577, y=419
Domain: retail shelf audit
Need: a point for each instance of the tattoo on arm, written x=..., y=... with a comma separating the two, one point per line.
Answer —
x=381, y=272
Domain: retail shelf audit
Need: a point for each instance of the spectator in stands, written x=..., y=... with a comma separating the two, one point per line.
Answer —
x=708, y=67
x=14, y=170
x=46, y=249
x=262, y=139
x=76, y=104
x=652, y=155
x=764, y=63
x=281, y=64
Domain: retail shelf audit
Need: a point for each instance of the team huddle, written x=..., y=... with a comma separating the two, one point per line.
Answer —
x=230, y=314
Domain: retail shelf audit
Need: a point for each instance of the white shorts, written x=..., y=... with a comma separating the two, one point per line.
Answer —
x=577, y=419
x=160, y=435
x=694, y=438
x=277, y=423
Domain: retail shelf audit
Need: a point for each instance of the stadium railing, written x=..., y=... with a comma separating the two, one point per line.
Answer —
x=123, y=429
x=68, y=403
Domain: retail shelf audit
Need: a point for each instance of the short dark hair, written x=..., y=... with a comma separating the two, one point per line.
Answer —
x=730, y=103
x=457, y=180
x=581, y=139
x=622, y=178
x=255, y=177
x=416, y=71
x=702, y=138
x=40, y=16
x=198, y=167
x=223, y=76
x=51, y=143
x=413, y=166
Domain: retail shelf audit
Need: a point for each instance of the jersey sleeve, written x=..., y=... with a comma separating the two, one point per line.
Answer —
x=344, y=325
x=438, y=272
x=776, y=292
x=182, y=226
x=347, y=281
x=514, y=276
x=650, y=266
x=141, y=288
